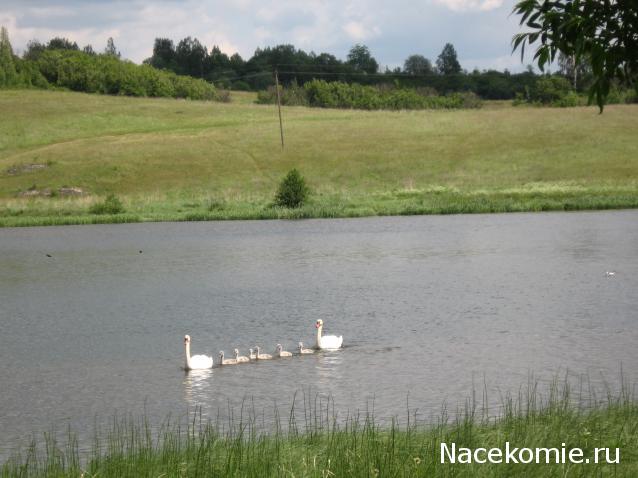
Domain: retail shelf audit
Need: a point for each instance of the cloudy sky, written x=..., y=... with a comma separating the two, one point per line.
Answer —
x=480, y=30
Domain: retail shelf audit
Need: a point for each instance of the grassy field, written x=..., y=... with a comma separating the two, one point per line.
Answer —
x=184, y=160
x=316, y=446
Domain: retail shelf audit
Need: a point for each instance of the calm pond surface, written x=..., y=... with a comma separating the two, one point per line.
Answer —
x=429, y=307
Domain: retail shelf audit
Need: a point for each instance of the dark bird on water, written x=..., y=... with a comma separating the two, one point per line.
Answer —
x=49, y=255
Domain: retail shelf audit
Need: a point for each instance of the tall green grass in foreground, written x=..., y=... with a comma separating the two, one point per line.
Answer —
x=314, y=443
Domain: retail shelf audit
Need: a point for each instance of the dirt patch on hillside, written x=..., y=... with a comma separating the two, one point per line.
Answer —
x=25, y=168
x=64, y=191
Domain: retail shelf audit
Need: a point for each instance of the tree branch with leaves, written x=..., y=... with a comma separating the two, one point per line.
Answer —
x=605, y=32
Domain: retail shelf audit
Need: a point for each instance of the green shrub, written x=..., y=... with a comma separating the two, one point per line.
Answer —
x=108, y=74
x=157, y=82
x=618, y=95
x=293, y=95
x=221, y=83
x=550, y=89
x=470, y=99
x=632, y=96
x=292, y=191
x=240, y=85
x=519, y=99
x=224, y=96
x=111, y=205
x=568, y=100
x=336, y=94
x=29, y=75
x=191, y=88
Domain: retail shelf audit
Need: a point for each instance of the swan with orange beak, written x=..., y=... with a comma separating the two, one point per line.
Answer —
x=327, y=342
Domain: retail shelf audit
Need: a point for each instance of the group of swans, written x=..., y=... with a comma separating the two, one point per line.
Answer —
x=199, y=362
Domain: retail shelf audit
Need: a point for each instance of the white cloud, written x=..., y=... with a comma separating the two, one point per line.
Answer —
x=50, y=12
x=355, y=30
x=391, y=29
x=20, y=36
x=8, y=21
x=470, y=5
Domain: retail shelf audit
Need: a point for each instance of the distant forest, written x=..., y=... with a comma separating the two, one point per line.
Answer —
x=189, y=69
x=294, y=65
x=190, y=57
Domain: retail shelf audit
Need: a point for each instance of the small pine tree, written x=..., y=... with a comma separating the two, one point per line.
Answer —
x=292, y=191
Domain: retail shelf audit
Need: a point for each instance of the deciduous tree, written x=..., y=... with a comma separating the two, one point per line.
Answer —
x=417, y=65
x=447, y=63
x=362, y=60
x=59, y=43
x=603, y=32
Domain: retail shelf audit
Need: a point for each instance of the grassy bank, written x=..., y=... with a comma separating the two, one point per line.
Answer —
x=184, y=160
x=317, y=445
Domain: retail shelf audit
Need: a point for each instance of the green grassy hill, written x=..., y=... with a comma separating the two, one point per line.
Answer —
x=176, y=159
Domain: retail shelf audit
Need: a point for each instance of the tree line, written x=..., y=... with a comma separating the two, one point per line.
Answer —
x=298, y=67
x=190, y=57
x=189, y=69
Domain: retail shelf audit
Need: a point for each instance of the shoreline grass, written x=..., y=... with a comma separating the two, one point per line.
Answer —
x=175, y=160
x=21, y=213
x=320, y=445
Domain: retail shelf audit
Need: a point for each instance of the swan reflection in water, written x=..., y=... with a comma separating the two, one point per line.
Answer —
x=328, y=367
x=197, y=387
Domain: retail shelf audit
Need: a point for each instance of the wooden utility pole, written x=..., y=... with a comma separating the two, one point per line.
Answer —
x=281, y=125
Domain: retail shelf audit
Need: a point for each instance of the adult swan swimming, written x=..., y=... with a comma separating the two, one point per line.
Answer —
x=196, y=362
x=327, y=342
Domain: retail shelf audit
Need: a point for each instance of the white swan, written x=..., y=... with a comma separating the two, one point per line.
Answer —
x=240, y=358
x=281, y=352
x=330, y=342
x=196, y=362
x=303, y=351
x=252, y=355
x=227, y=361
x=263, y=356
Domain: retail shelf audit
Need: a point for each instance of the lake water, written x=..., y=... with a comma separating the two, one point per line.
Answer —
x=430, y=308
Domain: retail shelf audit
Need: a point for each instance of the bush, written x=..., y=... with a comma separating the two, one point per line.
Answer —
x=224, y=96
x=568, y=100
x=29, y=75
x=549, y=89
x=632, y=97
x=240, y=85
x=292, y=192
x=621, y=96
x=111, y=205
x=470, y=99
x=293, y=95
x=337, y=94
x=107, y=74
